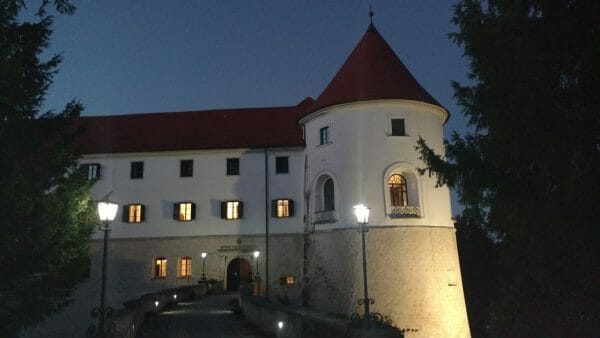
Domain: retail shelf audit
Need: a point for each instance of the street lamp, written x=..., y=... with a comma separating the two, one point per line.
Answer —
x=362, y=217
x=106, y=212
x=203, y=261
x=256, y=254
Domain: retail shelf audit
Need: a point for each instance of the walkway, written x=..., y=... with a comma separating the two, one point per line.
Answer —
x=210, y=317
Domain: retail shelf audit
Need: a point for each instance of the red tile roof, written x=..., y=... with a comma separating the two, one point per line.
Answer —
x=372, y=72
x=209, y=129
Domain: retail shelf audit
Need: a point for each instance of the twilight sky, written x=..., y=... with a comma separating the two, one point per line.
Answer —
x=151, y=56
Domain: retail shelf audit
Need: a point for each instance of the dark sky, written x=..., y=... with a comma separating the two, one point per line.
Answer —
x=124, y=57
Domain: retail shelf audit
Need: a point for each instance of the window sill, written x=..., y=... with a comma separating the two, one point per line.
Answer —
x=184, y=277
x=165, y=277
x=408, y=211
x=324, y=145
x=398, y=136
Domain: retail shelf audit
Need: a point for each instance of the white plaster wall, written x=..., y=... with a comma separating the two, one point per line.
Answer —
x=362, y=154
x=162, y=186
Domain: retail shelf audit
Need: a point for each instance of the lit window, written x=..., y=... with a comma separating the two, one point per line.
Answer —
x=185, y=267
x=398, y=127
x=287, y=280
x=231, y=209
x=184, y=211
x=137, y=170
x=186, y=168
x=281, y=165
x=324, y=137
x=160, y=267
x=92, y=171
x=282, y=208
x=398, y=190
x=133, y=213
x=233, y=166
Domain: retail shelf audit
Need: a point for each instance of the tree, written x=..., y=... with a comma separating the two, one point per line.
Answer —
x=527, y=172
x=46, y=215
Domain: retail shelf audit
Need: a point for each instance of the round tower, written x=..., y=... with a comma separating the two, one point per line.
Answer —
x=360, y=136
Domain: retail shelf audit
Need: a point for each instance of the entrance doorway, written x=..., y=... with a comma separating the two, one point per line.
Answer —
x=239, y=272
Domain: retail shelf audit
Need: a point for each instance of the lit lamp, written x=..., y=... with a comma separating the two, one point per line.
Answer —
x=203, y=261
x=256, y=254
x=362, y=217
x=106, y=212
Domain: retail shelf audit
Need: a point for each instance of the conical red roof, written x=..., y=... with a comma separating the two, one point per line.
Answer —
x=372, y=72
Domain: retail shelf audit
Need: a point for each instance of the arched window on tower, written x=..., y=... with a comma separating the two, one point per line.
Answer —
x=403, y=198
x=324, y=201
x=328, y=195
x=398, y=191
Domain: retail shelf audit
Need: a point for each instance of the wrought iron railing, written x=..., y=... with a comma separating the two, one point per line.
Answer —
x=328, y=216
x=405, y=211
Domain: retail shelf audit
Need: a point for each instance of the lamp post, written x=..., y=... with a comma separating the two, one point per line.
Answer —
x=107, y=212
x=256, y=254
x=362, y=217
x=203, y=261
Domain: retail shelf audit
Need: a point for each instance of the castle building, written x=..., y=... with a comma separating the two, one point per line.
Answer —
x=282, y=181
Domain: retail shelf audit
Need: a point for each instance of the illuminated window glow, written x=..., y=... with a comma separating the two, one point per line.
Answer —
x=233, y=209
x=135, y=213
x=160, y=267
x=283, y=208
x=398, y=190
x=185, y=267
x=184, y=211
x=287, y=280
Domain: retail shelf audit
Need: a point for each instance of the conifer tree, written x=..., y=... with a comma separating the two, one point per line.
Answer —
x=528, y=171
x=46, y=215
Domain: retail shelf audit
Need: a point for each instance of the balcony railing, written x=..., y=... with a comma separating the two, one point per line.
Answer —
x=405, y=211
x=328, y=216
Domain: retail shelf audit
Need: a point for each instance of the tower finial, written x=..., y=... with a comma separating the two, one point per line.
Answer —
x=371, y=14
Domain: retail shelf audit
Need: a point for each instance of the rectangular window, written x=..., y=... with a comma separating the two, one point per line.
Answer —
x=184, y=211
x=137, y=170
x=186, y=168
x=133, y=213
x=324, y=136
x=185, y=267
x=398, y=127
x=231, y=209
x=160, y=267
x=287, y=280
x=93, y=171
x=281, y=165
x=282, y=208
x=233, y=166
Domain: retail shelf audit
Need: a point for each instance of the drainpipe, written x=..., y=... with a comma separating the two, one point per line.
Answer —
x=266, y=224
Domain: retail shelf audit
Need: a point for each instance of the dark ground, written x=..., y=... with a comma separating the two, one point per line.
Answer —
x=210, y=317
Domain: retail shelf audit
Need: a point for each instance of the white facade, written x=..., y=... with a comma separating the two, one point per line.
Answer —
x=162, y=186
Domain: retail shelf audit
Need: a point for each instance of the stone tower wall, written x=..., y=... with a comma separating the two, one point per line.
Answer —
x=413, y=276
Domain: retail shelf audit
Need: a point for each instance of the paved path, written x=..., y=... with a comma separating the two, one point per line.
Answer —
x=210, y=317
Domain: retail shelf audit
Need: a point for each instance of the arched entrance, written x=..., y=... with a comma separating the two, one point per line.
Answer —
x=239, y=272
